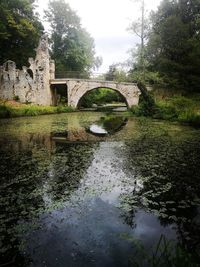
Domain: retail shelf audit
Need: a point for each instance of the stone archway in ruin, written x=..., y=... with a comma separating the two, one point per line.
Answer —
x=78, y=88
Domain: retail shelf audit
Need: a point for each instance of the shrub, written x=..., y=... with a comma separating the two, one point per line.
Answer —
x=177, y=108
x=182, y=103
x=61, y=109
x=30, y=110
x=166, y=111
x=190, y=117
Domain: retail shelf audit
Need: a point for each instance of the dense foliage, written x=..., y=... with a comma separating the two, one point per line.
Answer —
x=116, y=73
x=72, y=46
x=175, y=108
x=20, y=30
x=172, y=50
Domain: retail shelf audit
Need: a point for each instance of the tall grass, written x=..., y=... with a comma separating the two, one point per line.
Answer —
x=9, y=111
x=175, y=108
x=180, y=109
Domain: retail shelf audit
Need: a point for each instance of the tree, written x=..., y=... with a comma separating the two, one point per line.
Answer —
x=20, y=30
x=173, y=47
x=141, y=29
x=116, y=73
x=72, y=46
x=110, y=75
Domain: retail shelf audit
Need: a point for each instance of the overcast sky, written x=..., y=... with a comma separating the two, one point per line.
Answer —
x=107, y=22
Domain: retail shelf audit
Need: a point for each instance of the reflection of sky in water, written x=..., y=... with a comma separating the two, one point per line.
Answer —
x=104, y=177
x=149, y=229
x=91, y=235
x=89, y=230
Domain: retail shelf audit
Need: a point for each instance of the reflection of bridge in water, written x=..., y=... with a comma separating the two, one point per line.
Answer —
x=74, y=128
x=96, y=131
x=77, y=88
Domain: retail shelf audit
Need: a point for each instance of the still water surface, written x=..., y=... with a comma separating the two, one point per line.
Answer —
x=70, y=197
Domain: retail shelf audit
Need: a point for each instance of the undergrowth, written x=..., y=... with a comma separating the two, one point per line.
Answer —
x=10, y=111
x=175, y=108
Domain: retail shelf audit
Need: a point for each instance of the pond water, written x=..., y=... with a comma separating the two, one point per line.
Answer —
x=73, y=198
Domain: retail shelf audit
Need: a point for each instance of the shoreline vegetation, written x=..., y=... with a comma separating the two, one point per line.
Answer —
x=168, y=105
x=12, y=109
x=171, y=106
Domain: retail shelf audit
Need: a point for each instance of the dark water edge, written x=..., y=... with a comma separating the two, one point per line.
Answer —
x=70, y=198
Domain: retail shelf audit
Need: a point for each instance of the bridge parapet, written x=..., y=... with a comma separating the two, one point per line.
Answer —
x=77, y=88
x=65, y=80
x=84, y=75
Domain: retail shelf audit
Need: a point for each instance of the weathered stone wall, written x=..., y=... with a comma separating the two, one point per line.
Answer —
x=77, y=88
x=31, y=84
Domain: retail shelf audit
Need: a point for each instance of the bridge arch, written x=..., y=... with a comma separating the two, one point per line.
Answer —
x=78, y=88
x=93, y=89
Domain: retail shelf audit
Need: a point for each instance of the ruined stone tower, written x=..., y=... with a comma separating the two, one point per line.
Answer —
x=31, y=84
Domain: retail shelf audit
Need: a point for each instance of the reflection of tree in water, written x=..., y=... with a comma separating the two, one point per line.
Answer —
x=169, y=170
x=68, y=165
x=21, y=175
x=128, y=217
x=113, y=123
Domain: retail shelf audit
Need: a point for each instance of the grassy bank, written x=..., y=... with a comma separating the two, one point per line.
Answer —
x=10, y=109
x=173, y=107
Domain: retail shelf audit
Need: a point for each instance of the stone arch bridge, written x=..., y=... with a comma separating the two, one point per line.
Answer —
x=35, y=83
x=77, y=88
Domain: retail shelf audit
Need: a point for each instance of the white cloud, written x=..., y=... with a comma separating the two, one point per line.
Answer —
x=107, y=21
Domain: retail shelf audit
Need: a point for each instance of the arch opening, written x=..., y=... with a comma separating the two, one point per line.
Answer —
x=59, y=94
x=102, y=97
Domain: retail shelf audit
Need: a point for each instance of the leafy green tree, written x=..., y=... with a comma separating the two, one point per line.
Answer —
x=116, y=73
x=110, y=75
x=173, y=48
x=72, y=46
x=20, y=30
